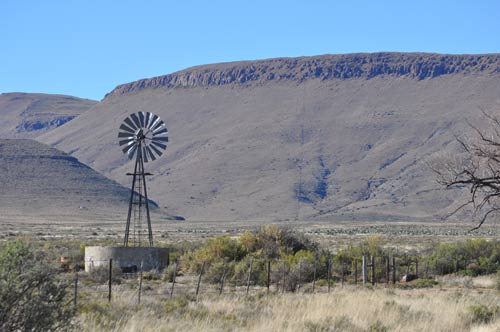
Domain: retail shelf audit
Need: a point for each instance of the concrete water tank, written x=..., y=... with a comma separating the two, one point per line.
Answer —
x=152, y=258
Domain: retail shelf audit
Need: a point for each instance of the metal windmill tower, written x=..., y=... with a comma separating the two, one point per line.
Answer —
x=143, y=135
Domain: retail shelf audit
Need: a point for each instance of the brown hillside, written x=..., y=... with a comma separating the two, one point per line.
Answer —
x=43, y=184
x=28, y=115
x=326, y=137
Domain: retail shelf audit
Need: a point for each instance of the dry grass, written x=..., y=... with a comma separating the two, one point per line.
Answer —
x=348, y=309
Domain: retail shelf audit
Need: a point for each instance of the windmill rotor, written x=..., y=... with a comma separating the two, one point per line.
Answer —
x=142, y=135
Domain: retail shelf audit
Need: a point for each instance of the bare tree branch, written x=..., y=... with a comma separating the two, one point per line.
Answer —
x=476, y=168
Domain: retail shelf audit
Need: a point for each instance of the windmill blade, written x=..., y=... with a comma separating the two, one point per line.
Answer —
x=162, y=146
x=153, y=121
x=126, y=135
x=158, y=152
x=141, y=119
x=126, y=141
x=159, y=139
x=157, y=125
x=161, y=131
x=127, y=148
x=127, y=129
x=148, y=148
x=131, y=151
x=136, y=120
x=148, y=119
x=130, y=123
x=151, y=155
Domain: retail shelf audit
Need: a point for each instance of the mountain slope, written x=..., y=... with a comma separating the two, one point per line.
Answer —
x=27, y=115
x=40, y=183
x=326, y=137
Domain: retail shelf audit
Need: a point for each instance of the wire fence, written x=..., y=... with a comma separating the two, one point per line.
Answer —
x=104, y=278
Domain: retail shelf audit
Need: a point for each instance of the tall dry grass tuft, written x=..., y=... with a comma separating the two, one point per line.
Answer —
x=348, y=309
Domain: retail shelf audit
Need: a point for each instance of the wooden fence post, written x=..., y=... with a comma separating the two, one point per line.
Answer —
x=110, y=278
x=394, y=268
x=173, y=279
x=363, y=270
x=387, y=271
x=343, y=274
x=299, y=277
x=199, y=280
x=355, y=271
x=249, y=275
x=314, y=275
x=284, y=275
x=416, y=266
x=329, y=273
x=75, y=299
x=140, y=285
x=373, y=270
x=268, y=275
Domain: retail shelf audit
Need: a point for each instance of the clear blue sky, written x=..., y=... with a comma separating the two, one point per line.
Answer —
x=85, y=48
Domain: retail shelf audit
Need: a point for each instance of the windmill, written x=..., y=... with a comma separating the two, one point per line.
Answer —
x=143, y=136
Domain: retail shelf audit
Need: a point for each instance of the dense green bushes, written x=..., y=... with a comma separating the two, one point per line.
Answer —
x=31, y=296
x=302, y=259
x=471, y=257
x=232, y=258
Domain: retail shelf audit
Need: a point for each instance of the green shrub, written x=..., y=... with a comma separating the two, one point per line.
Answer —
x=418, y=283
x=378, y=326
x=31, y=296
x=471, y=257
x=177, y=304
x=481, y=314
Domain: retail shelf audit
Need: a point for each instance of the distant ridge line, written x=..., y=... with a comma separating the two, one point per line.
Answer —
x=325, y=67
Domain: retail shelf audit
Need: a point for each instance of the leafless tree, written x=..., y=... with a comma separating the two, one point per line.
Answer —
x=476, y=167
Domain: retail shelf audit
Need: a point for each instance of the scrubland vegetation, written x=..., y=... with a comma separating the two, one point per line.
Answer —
x=458, y=288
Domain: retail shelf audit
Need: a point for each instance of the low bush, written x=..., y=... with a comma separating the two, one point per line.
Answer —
x=481, y=314
x=32, y=298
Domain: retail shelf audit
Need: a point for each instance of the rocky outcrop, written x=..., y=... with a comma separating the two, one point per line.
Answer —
x=325, y=67
x=28, y=115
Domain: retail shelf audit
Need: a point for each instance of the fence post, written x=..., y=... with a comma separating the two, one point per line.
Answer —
x=249, y=275
x=199, y=280
x=387, y=271
x=363, y=270
x=110, y=278
x=173, y=279
x=373, y=270
x=284, y=275
x=343, y=274
x=427, y=268
x=416, y=266
x=268, y=275
x=394, y=267
x=329, y=273
x=140, y=286
x=299, y=277
x=75, y=299
x=314, y=274
x=355, y=271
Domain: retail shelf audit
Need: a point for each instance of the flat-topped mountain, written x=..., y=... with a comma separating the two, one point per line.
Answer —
x=41, y=183
x=324, y=67
x=28, y=115
x=327, y=137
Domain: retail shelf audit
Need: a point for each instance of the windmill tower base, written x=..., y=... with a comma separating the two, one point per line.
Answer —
x=127, y=258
